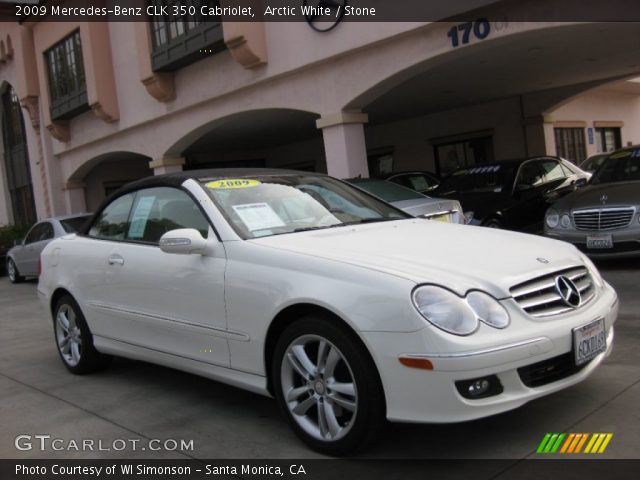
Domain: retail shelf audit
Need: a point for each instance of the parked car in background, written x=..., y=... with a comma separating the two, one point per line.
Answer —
x=344, y=308
x=592, y=163
x=422, y=182
x=512, y=194
x=412, y=202
x=22, y=260
x=603, y=219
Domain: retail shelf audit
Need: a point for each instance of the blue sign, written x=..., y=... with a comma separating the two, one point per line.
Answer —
x=590, y=135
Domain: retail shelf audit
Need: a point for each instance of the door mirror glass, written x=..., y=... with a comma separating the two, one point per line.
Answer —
x=183, y=241
x=581, y=182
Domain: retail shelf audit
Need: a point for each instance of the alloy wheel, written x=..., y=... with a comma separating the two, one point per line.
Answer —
x=11, y=271
x=68, y=335
x=319, y=388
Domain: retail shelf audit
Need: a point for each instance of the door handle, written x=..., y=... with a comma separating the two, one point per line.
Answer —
x=115, y=260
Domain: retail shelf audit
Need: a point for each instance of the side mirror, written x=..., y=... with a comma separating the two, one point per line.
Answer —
x=183, y=241
x=581, y=182
x=523, y=187
x=17, y=241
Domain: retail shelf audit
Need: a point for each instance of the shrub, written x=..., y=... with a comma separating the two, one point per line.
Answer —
x=8, y=235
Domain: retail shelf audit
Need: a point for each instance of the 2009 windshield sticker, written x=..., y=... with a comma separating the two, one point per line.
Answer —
x=228, y=183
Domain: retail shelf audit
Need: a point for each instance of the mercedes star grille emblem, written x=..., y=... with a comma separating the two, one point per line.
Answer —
x=568, y=291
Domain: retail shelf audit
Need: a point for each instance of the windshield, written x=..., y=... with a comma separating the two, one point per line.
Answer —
x=73, y=225
x=262, y=205
x=619, y=167
x=387, y=191
x=489, y=178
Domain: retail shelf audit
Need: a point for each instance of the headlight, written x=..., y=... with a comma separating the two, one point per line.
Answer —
x=565, y=221
x=488, y=309
x=593, y=270
x=552, y=218
x=445, y=310
x=468, y=216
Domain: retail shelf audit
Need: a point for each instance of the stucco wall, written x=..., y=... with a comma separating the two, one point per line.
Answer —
x=604, y=105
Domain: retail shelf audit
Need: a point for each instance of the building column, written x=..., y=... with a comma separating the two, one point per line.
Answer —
x=539, y=136
x=167, y=165
x=74, y=197
x=344, y=144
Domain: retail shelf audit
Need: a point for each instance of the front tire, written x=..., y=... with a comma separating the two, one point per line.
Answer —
x=74, y=340
x=327, y=386
x=13, y=273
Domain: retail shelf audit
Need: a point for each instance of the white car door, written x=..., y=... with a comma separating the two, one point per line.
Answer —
x=168, y=302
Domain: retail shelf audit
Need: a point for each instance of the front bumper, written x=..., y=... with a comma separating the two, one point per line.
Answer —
x=626, y=242
x=430, y=396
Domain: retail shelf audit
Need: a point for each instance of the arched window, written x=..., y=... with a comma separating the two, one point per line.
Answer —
x=16, y=160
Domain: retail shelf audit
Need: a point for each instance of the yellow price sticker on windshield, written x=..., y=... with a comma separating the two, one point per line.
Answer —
x=228, y=183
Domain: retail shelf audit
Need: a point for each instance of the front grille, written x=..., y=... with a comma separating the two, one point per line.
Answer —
x=539, y=297
x=603, y=218
x=550, y=370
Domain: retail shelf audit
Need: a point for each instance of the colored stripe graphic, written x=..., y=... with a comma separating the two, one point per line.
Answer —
x=573, y=443
x=550, y=443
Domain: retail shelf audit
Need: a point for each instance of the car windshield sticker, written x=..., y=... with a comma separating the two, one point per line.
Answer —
x=228, y=183
x=258, y=216
x=140, y=217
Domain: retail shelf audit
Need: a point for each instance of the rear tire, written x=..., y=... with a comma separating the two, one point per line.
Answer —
x=327, y=386
x=74, y=340
x=13, y=273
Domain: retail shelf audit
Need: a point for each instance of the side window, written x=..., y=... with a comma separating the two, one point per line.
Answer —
x=113, y=221
x=158, y=210
x=47, y=231
x=421, y=182
x=530, y=174
x=552, y=170
x=34, y=234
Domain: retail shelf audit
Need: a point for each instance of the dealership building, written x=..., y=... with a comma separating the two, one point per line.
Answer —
x=87, y=106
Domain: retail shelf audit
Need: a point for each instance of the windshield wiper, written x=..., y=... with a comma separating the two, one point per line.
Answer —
x=369, y=220
x=307, y=229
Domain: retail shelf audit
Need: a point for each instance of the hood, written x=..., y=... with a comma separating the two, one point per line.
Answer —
x=459, y=257
x=619, y=194
x=426, y=206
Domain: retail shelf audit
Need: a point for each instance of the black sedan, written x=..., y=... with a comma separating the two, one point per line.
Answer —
x=512, y=194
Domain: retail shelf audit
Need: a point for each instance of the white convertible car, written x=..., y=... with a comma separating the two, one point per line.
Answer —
x=342, y=307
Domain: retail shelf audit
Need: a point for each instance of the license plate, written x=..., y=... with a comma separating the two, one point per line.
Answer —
x=599, y=241
x=441, y=218
x=589, y=341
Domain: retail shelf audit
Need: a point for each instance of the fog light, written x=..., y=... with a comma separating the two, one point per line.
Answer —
x=480, y=387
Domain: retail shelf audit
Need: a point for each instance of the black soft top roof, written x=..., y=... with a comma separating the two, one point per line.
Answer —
x=178, y=178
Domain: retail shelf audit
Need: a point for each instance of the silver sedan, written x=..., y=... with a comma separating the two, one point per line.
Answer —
x=603, y=219
x=412, y=202
x=22, y=260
